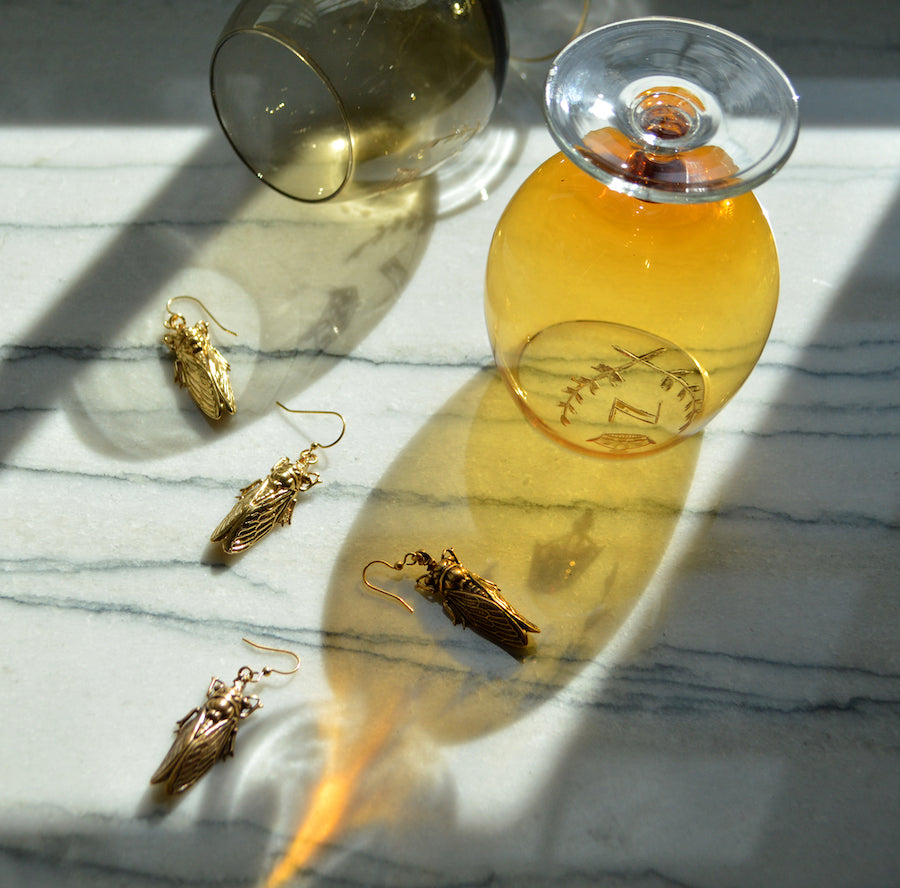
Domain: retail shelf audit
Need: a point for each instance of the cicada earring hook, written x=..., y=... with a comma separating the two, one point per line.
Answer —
x=206, y=734
x=268, y=670
x=320, y=413
x=199, y=367
x=174, y=314
x=399, y=565
x=271, y=500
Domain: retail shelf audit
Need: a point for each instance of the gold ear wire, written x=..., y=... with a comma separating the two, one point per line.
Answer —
x=194, y=299
x=398, y=566
x=268, y=670
x=321, y=413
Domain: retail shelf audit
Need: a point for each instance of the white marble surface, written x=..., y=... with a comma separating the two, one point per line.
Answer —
x=716, y=699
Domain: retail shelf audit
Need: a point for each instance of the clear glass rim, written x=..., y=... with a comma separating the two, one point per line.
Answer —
x=303, y=59
x=761, y=169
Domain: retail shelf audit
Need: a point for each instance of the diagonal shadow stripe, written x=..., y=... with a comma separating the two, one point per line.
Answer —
x=121, y=281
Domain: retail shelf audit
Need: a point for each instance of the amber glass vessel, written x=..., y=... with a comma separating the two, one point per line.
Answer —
x=633, y=279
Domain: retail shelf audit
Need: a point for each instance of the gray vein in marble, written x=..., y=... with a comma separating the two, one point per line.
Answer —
x=299, y=636
x=667, y=678
x=135, y=354
x=336, y=490
x=344, y=866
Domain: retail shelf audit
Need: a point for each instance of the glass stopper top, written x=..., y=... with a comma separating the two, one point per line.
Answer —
x=671, y=110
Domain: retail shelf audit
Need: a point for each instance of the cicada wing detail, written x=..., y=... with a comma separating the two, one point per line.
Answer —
x=201, y=369
x=477, y=603
x=200, y=742
x=206, y=378
x=260, y=506
x=184, y=734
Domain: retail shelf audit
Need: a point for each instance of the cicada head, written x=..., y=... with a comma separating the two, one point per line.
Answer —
x=301, y=478
x=195, y=339
x=221, y=708
x=448, y=559
x=448, y=573
x=230, y=703
x=292, y=475
x=189, y=342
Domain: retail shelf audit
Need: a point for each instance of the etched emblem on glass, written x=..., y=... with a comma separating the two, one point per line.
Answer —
x=640, y=393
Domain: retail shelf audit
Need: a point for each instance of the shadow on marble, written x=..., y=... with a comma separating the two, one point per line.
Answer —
x=239, y=810
x=754, y=742
x=95, y=67
x=750, y=737
x=811, y=39
x=162, y=246
x=300, y=284
x=571, y=541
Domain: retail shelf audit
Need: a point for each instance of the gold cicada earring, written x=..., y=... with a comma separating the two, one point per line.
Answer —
x=271, y=500
x=199, y=367
x=466, y=598
x=206, y=734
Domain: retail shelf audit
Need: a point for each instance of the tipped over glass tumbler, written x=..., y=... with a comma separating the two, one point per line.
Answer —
x=327, y=99
x=632, y=280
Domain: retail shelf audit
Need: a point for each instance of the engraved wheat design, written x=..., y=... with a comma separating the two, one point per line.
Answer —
x=613, y=375
x=605, y=373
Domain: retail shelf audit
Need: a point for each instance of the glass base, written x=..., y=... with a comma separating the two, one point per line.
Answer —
x=640, y=105
x=607, y=388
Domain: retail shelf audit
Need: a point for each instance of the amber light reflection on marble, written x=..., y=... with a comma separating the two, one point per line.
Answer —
x=571, y=541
